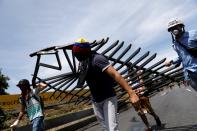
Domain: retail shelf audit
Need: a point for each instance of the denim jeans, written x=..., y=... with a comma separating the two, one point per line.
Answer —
x=193, y=79
x=38, y=124
x=106, y=114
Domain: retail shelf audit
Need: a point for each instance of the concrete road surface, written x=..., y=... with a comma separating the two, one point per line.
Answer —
x=177, y=109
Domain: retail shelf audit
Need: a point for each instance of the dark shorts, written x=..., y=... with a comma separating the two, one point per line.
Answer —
x=144, y=105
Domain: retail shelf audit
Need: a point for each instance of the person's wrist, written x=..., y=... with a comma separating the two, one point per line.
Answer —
x=16, y=122
x=131, y=93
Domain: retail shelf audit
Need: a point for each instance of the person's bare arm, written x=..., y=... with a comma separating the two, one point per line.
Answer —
x=139, y=73
x=20, y=116
x=21, y=113
x=41, y=86
x=121, y=81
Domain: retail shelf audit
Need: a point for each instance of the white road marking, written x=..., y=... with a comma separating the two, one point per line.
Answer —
x=163, y=93
x=189, y=90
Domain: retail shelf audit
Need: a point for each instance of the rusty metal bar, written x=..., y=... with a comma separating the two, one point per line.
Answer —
x=69, y=61
x=121, y=55
x=128, y=59
x=64, y=81
x=110, y=47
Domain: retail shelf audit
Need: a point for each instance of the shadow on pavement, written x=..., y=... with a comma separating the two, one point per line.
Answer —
x=181, y=128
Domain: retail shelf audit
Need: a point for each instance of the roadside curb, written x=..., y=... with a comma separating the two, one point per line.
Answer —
x=70, y=122
x=72, y=126
x=62, y=120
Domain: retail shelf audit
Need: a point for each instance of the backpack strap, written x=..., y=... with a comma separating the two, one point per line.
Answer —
x=36, y=98
x=22, y=101
x=39, y=99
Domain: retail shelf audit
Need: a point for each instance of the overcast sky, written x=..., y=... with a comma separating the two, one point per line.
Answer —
x=29, y=25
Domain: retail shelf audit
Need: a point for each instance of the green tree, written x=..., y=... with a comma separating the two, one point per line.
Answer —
x=2, y=118
x=3, y=83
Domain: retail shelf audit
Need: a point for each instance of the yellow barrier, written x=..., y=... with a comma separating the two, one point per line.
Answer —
x=11, y=102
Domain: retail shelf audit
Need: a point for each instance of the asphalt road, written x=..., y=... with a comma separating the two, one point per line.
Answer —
x=177, y=109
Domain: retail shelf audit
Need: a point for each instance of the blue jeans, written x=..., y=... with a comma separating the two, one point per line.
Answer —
x=193, y=79
x=38, y=124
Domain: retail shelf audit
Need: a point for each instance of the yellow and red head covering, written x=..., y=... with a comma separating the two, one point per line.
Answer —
x=81, y=49
x=81, y=46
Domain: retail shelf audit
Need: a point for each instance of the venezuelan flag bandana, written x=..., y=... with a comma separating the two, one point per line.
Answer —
x=81, y=49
